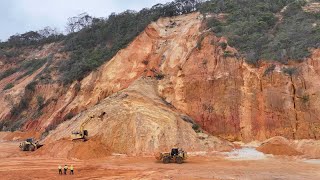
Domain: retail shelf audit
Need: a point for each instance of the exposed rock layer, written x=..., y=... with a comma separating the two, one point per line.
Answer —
x=135, y=121
x=223, y=94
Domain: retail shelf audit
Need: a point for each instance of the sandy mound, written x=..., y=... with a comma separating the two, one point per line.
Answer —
x=310, y=148
x=135, y=121
x=278, y=146
x=65, y=148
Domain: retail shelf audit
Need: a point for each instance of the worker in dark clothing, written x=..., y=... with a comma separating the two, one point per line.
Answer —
x=60, y=169
x=65, y=169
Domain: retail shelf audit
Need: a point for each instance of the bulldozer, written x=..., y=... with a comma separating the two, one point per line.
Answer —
x=82, y=134
x=176, y=155
x=29, y=145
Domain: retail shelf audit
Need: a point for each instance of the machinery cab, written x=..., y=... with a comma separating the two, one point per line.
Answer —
x=85, y=132
x=174, y=151
x=80, y=135
x=177, y=155
x=29, y=140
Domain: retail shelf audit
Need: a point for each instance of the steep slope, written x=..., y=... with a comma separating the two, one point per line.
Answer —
x=201, y=78
x=226, y=96
x=133, y=121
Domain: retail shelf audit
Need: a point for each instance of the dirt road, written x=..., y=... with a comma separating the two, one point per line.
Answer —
x=20, y=165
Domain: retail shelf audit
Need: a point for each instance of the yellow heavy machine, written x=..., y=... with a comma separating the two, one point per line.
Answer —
x=82, y=134
x=177, y=155
x=29, y=145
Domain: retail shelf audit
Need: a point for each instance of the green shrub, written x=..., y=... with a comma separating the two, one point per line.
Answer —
x=31, y=86
x=305, y=98
x=159, y=75
x=269, y=70
x=8, y=86
x=51, y=127
x=97, y=44
x=40, y=102
x=31, y=66
x=8, y=73
x=196, y=128
x=69, y=116
x=223, y=45
x=215, y=25
x=228, y=54
x=17, y=109
x=290, y=71
x=28, y=66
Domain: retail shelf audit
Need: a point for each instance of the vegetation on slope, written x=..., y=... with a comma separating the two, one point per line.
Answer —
x=261, y=29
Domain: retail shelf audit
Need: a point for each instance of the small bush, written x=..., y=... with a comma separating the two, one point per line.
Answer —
x=31, y=86
x=196, y=128
x=228, y=54
x=199, y=42
x=40, y=102
x=269, y=70
x=223, y=45
x=290, y=71
x=31, y=66
x=51, y=127
x=69, y=116
x=159, y=75
x=215, y=25
x=8, y=73
x=77, y=87
x=8, y=86
x=305, y=98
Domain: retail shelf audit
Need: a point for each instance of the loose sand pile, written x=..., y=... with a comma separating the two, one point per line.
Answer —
x=66, y=148
x=310, y=148
x=278, y=146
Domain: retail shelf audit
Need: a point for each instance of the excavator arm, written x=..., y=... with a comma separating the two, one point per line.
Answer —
x=83, y=133
x=85, y=123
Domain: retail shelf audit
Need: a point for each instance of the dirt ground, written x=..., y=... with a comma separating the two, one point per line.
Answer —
x=23, y=165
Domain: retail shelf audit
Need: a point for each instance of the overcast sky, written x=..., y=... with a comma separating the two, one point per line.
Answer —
x=19, y=16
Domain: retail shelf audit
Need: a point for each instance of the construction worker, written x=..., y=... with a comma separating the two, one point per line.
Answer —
x=60, y=169
x=71, y=169
x=65, y=169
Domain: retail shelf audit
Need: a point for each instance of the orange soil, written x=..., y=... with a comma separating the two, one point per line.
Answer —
x=278, y=146
x=30, y=166
x=278, y=149
x=92, y=149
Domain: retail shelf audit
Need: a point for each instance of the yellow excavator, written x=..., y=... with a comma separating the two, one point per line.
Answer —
x=82, y=134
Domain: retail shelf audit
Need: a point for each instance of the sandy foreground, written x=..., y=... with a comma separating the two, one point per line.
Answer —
x=23, y=165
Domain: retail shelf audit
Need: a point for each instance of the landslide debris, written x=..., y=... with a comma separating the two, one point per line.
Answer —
x=135, y=121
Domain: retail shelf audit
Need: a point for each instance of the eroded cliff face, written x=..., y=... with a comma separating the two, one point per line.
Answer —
x=223, y=94
x=134, y=121
x=229, y=98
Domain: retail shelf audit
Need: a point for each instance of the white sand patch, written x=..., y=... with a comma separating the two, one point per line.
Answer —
x=245, y=153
